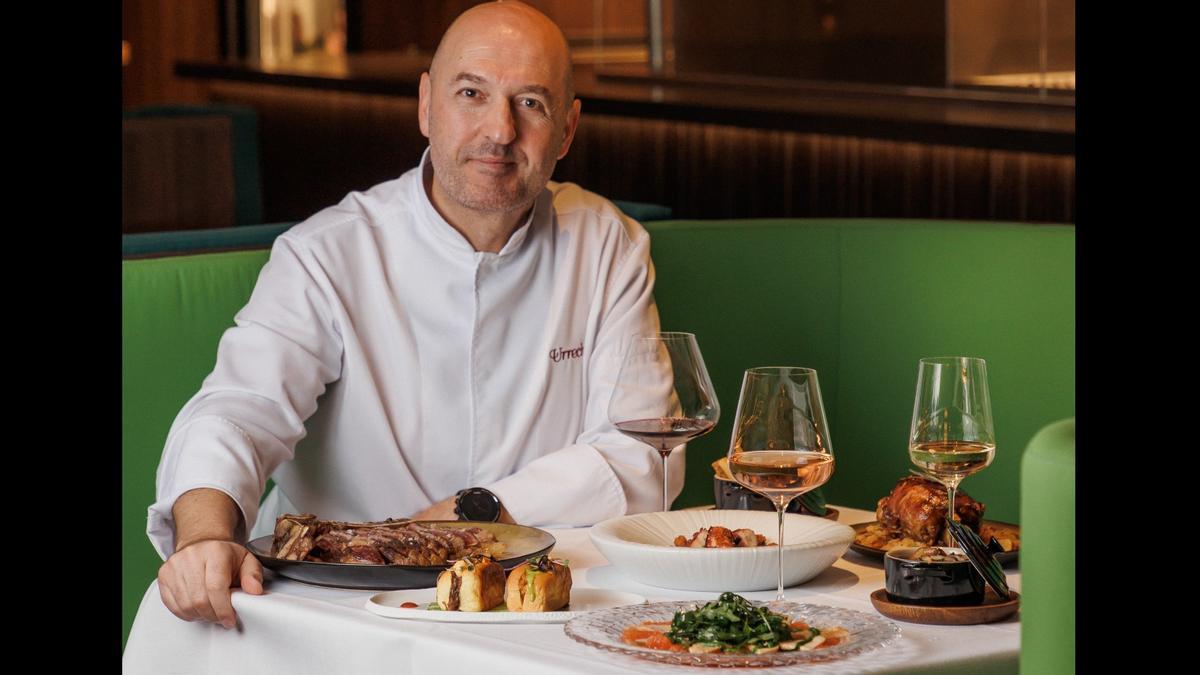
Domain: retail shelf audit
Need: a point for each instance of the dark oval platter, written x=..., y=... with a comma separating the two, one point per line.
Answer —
x=520, y=544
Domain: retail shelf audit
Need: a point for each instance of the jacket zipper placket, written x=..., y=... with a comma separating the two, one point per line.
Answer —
x=473, y=369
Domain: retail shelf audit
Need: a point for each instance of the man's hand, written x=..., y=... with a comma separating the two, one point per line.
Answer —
x=195, y=581
x=444, y=510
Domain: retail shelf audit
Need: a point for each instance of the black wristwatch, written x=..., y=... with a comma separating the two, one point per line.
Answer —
x=477, y=504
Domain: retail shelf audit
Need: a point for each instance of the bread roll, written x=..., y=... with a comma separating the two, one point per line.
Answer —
x=538, y=585
x=473, y=584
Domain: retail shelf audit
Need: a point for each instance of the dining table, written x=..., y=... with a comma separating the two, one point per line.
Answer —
x=295, y=628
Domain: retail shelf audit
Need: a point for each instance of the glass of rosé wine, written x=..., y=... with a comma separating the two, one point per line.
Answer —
x=663, y=396
x=780, y=446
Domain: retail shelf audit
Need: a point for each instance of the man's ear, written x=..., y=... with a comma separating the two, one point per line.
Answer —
x=423, y=96
x=572, y=124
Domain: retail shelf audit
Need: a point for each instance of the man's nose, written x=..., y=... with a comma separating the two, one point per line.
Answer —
x=500, y=126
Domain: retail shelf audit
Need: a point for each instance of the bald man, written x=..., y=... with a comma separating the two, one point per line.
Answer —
x=443, y=345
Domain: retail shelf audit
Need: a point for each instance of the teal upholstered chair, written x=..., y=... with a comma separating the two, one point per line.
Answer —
x=1048, y=551
x=148, y=244
x=176, y=242
x=190, y=167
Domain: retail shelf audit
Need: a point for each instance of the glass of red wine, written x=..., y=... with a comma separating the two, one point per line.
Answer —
x=663, y=396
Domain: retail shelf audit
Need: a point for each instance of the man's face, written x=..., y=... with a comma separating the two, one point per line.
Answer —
x=495, y=111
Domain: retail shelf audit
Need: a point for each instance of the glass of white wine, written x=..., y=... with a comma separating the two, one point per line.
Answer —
x=780, y=446
x=952, y=435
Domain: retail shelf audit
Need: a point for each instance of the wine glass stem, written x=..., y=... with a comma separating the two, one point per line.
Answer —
x=779, y=548
x=951, y=489
x=666, y=504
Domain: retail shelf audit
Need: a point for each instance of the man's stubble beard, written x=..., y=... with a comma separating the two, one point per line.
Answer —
x=451, y=174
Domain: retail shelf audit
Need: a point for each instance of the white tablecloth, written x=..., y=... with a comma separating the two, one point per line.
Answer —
x=297, y=628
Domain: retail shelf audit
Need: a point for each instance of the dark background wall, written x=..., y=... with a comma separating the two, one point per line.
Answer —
x=318, y=144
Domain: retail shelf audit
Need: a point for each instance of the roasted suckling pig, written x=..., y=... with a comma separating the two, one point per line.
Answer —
x=916, y=508
x=391, y=542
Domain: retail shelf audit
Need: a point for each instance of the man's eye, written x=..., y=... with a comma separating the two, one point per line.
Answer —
x=531, y=103
x=468, y=92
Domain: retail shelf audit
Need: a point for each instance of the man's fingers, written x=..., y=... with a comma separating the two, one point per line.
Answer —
x=251, y=575
x=195, y=582
x=168, y=598
x=198, y=600
x=192, y=591
x=174, y=590
x=217, y=580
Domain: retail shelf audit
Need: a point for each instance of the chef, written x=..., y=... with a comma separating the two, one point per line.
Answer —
x=442, y=345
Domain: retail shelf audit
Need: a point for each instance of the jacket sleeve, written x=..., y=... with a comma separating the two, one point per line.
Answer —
x=284, y=348
x=604, y=474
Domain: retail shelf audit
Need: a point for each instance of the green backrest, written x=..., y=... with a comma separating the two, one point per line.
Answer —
x=861, y=301
x=174, y=311
x=1048, y=551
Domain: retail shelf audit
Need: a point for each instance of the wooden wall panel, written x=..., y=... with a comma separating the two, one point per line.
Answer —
x=314, y=148
x=719, y=171
x=317, y=146
x=161, y=32
x=391, y=25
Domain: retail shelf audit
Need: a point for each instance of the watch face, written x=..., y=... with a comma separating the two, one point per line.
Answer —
x=478, y=505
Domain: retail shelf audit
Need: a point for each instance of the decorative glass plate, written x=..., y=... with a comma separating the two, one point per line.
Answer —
x=602, y=629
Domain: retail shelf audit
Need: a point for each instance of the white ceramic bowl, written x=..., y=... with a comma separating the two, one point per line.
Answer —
x=641, y=547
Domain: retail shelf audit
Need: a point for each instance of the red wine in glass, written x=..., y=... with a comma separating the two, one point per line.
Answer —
x=665, y=433
x=663, y=396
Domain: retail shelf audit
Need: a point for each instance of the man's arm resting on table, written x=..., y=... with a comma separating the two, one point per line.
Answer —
x=444, y=510
x=195, y=581
x=203, y=514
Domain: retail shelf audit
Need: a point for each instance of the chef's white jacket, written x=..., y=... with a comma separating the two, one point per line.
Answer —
x=382, y=364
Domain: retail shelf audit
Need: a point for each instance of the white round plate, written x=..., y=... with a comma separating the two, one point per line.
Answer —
x=641, y=547
x=582, y=600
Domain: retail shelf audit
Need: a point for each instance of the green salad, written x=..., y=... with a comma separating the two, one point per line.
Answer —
x=732, y=624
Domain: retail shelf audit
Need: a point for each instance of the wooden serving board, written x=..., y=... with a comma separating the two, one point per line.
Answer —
x=993, y=608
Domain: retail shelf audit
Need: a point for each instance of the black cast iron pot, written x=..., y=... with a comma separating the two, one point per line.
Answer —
x=730, y=495
x=931, y=583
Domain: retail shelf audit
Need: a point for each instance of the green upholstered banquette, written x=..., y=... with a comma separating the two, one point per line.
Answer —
x=858, y=300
